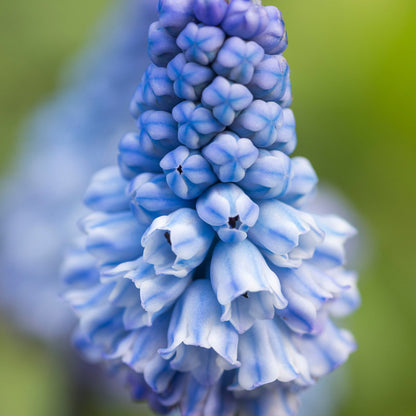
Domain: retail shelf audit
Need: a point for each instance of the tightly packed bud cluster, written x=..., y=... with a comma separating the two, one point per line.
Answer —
x=200, y=270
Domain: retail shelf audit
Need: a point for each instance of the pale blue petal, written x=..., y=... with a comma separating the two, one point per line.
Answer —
x=328, y=350
x=246, y=287
x=267, y=354
x=177, y=243
x=286, y=235
x=107, y=191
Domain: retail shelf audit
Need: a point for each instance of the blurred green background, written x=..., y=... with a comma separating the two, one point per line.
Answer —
x=353, y=68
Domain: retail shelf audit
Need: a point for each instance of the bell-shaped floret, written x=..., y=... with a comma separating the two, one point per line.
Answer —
x=302, y=183
x=274, y=38
x=244, y=284
x=157, y=292
x=151, y=197
x=307, y=290
x=155, y=92
x=198, y=341
x=275, y=175
x=174, y=15
x=271, y=80
x=102, y=328
x=188, y=174
x=162, y=46
x=203, y=400
x=138, y=153
x=158, y=134
x=267, y=353
x=331, y=252
x=113, y=238
x=348, y=301
x=326, y=351
x=238, y=59
x=286, y=137
x=245, y=19
x=107, y=191
x=177, y=243
x=143, y=356
x=230, y=156
x=228, y=210
x=189, y=78
x=260, y=122
x=210, y=12
x=200, y=44
x=285, y=235
x=226, y=99
x=269, y=400
x=197, y=125
x=79, y=269
x=269, y=176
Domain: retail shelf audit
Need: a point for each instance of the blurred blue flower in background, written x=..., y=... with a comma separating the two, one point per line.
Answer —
x=208, y=278
x=65, y=141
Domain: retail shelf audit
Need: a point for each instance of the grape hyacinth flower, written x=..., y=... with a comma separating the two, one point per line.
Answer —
x=210, y=280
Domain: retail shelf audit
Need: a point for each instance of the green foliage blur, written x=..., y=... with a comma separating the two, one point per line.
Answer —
x=353, y=66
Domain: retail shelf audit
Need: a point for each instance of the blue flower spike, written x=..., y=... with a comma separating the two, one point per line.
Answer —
x=204, y=273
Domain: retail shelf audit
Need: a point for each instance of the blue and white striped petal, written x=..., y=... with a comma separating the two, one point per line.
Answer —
x=328, y=350
x=113, y=238
x=157, y=292
x=107, y=191
x=269, y=176
x=244, y=285
x=151, y=197
x=331, y=252
x=307, y=290
x=177, y=243
x=267, y=354
x=285, y=235
x=198, y=341
x=272, y=399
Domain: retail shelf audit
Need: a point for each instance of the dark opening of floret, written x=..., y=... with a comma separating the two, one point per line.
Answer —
x=234, y=222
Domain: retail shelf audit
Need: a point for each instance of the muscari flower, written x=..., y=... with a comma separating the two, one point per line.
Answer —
x=210, y=280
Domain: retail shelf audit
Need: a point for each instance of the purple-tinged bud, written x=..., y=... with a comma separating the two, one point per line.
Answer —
x=245, y=19
x=162, y=46
x=210, y=12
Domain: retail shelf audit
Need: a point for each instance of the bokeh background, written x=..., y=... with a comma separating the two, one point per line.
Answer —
x=353, y=66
